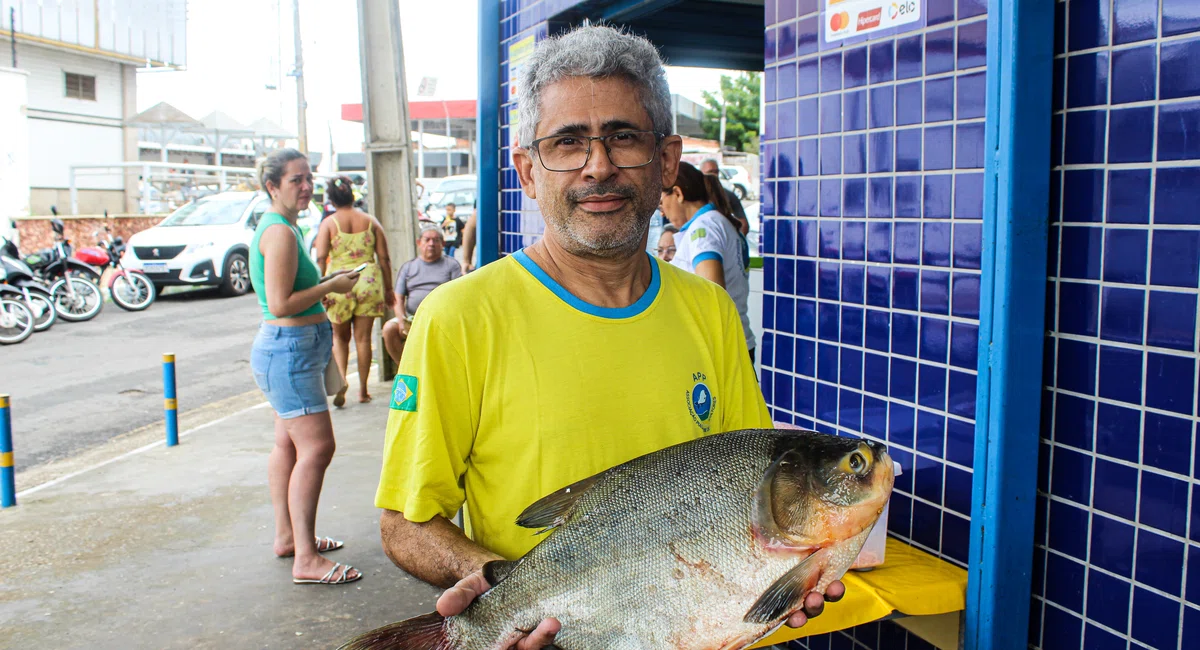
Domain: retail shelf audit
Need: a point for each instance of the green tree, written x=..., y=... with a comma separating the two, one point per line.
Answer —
x=741, y=112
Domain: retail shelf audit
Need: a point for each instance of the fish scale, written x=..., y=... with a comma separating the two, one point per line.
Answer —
x=662, y=551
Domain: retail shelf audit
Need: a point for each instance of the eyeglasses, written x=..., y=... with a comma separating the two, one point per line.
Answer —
x=625, y=149
x=663, y=251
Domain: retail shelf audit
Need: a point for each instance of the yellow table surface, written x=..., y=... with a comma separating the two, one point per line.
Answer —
x=911, y=582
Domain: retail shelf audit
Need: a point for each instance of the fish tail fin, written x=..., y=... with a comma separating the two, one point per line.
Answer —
x=425, y=632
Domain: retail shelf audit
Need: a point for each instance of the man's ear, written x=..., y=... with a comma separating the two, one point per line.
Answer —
x=523, y=162
x=669, y=153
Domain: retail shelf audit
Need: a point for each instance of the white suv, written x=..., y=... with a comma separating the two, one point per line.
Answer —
x=737, y=180
x=206, y=242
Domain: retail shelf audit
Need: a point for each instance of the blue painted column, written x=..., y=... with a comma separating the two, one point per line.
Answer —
x=8, y=482
x=1012, y=306
x=487, y=125
x=170, y=403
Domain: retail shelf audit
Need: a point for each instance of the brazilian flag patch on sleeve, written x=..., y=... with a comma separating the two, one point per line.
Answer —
x=404, y=393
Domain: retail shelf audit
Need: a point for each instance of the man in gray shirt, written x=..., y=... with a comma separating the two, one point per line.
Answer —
x=416, y=278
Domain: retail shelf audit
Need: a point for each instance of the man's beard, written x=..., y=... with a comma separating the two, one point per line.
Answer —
x=625, y=234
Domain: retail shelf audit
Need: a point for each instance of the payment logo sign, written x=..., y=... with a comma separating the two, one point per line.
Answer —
x=846, y=18
x=869, y=20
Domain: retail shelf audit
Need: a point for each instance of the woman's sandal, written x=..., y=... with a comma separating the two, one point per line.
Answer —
x=329, y=578
x=324, y=545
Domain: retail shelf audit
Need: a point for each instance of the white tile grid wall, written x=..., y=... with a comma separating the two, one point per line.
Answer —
x=1055, y=335
x=867, y=264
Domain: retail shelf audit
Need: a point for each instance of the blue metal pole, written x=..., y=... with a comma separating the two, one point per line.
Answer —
x=8, y=478
x=170, y=403
x=1013, y=284
x=487, y=124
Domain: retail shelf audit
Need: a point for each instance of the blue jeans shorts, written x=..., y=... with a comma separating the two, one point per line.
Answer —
x=289, y=367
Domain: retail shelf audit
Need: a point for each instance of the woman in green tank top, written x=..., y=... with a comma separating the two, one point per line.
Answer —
x=290, y=353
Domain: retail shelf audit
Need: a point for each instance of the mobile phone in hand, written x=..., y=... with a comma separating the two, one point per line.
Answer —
x=360, y=268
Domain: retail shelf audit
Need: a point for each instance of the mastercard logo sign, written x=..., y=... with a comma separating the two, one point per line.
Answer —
x=839, y=21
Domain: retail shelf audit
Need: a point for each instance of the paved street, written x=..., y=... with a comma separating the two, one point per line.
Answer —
x=80, y=384
x=171, y=548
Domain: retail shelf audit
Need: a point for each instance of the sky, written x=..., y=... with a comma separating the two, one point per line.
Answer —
x=234, y=49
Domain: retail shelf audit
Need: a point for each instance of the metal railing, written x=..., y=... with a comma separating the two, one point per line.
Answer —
x=207, y=175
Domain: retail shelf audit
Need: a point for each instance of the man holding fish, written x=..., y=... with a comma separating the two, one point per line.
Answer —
x=572, y=356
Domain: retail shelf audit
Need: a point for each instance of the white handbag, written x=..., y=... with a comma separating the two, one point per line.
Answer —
x=334, y=382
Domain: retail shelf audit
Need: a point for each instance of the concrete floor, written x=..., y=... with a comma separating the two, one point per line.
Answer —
x=171, y=548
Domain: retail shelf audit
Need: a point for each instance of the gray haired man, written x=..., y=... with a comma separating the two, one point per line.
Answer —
x=499, y=402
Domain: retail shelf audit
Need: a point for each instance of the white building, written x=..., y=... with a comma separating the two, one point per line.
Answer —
x=81, y=60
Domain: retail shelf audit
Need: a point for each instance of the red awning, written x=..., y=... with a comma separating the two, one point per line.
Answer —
x=425, y=110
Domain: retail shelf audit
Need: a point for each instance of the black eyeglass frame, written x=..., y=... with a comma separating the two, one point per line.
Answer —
x=534, y=147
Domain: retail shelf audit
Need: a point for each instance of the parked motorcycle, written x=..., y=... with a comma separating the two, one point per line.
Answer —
x=16, y=321
x=75, y=295
x=17, y=282
x=130, y=289
x=77, y=268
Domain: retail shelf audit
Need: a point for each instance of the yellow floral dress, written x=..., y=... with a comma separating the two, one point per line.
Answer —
x=347, y=251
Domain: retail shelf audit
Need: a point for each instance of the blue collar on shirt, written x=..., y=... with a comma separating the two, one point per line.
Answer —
x=708, y=207
x=603, y=312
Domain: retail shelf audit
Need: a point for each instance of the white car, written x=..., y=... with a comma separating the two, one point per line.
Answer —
x=204, y=243
x=460, y=189
x=738, y=180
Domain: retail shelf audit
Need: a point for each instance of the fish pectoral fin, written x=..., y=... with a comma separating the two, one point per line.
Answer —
x=785, y=595
x=497, y=570
x=551, y=510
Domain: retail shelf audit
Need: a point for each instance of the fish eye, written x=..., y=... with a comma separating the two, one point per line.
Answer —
x=856, y=463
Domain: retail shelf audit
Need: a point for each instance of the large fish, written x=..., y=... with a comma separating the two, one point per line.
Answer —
x=709, y=544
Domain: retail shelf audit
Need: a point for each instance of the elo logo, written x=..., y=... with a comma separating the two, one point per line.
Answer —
x=902, y=9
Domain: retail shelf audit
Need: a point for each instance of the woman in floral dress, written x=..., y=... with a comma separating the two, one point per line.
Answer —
x=347, y=238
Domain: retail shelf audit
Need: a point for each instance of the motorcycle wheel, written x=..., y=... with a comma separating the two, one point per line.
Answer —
x=132, y=291
x=42, y=308
x=16, y=322
x=86, y=303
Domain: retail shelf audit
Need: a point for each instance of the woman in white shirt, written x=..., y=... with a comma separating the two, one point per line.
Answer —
x=709, y=242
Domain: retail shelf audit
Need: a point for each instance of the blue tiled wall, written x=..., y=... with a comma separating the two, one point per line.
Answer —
x=872, y=225
x=872, y=216
x=1117, y=563
x=520, y=220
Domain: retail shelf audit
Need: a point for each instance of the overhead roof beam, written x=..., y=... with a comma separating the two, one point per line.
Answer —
x=627, y=10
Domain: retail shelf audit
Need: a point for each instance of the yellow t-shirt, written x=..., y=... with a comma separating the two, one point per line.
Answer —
x=511, y=388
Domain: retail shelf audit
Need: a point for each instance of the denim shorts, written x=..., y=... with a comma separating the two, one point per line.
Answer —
x=289, y=367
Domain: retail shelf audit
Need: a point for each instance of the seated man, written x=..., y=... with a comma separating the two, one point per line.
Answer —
x=417, y=277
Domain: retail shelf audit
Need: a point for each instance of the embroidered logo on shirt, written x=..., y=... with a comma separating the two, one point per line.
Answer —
x=699, y=233
x=700, y=402
x=404, y=393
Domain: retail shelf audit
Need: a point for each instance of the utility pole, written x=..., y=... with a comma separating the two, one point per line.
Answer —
x=387, y=137
x=301, y=105
x=721, y=142
x=674, y=114
x=12, y=26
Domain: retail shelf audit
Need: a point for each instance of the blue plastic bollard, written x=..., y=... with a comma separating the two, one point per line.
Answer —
x=8, y=477
x=170, y=404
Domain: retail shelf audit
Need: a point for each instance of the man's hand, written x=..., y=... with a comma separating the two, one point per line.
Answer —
x=456, y=599
x=814, y=603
